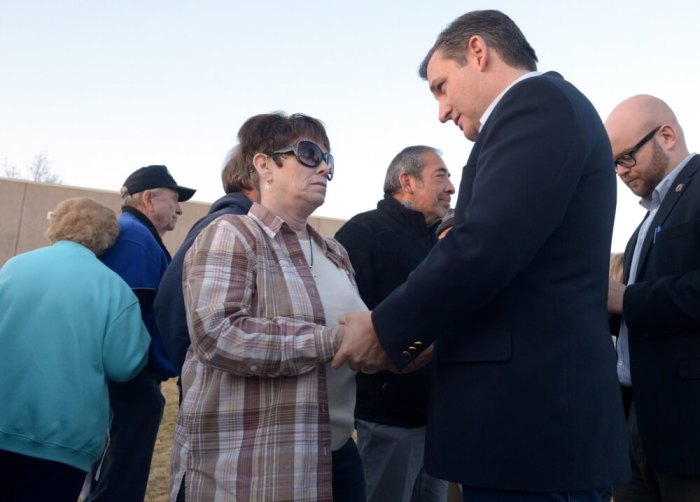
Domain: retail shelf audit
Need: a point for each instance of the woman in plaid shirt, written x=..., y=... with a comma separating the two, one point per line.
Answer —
x=264, y=416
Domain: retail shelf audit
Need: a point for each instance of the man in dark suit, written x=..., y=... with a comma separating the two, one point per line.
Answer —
x=659, y=337
x=525, y=401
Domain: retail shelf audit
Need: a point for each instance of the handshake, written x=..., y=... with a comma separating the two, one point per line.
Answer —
x=361, y=350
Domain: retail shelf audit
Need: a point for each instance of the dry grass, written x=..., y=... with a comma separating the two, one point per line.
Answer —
x=159, y=478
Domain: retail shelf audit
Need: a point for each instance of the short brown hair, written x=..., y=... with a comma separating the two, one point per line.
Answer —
x=235, y=176
x=85, y=221
x=498, y=30
x=268, y=132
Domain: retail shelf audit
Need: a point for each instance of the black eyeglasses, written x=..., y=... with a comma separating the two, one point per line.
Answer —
x=628, y=159
x=309, y=154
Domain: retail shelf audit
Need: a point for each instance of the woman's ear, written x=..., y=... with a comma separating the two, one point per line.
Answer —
x=263, y=166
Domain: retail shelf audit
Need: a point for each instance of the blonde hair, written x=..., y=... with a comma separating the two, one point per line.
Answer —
x=85, y=221
x=616, y=268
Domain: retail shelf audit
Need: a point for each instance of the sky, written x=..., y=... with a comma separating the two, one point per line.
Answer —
x=103, y=88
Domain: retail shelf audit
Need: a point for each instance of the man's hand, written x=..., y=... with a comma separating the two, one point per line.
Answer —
x=616, y=292
x=360, y=347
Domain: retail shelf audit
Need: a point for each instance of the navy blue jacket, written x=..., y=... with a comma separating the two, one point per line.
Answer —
x=169, y=303
x=662, y=313
x=140, y=258
x=525, y=394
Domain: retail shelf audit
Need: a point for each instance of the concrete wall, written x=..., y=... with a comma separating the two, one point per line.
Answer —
x=25, y=206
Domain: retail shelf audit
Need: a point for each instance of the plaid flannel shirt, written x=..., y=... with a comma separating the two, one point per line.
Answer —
x=253, y=424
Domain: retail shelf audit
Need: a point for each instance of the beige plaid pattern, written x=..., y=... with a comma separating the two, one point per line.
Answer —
x=254, y=419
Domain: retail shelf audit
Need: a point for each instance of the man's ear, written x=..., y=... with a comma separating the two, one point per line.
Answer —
x=145, y=203
x=669, y=136
x=477, y=52
x=147, y=198
x=406, y=181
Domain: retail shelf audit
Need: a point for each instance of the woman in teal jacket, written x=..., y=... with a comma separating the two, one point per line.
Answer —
x=67, y=325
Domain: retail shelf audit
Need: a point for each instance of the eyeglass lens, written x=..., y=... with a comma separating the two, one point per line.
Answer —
x=629, y=159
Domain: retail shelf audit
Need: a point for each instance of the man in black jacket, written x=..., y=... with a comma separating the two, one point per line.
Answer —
x=385, y=245
x=657, y=305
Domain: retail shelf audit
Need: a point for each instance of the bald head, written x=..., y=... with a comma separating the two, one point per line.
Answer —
x=636, y=116
x=647, y=142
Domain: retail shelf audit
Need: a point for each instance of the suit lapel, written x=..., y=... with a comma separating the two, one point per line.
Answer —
x=675, y=192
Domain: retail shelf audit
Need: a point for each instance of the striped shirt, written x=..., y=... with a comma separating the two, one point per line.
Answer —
x=254, y=421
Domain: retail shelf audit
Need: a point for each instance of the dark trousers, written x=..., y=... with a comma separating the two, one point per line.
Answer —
x=348, y=476
x=648, y=485
x=29, y=479
x=137, y=408
x=482, y=495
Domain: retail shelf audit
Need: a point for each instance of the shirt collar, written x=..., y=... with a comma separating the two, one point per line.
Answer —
x=659, y=193
x=493, y=104
x=273, y=224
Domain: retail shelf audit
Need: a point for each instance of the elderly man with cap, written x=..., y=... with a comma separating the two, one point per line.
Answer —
x=150, y=207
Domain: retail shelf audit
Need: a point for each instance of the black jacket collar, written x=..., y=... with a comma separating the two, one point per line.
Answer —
x=407, y=216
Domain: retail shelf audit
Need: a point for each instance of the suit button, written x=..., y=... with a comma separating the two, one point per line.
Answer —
x=406, y=354
x=418, y=343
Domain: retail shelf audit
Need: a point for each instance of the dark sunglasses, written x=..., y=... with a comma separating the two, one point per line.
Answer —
x=309, y=154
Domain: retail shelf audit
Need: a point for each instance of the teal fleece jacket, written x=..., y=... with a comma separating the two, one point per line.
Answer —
x=67, y=325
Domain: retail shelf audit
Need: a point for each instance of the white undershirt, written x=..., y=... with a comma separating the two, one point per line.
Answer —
x=338, y=296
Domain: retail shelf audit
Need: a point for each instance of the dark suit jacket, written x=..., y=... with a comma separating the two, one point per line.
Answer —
x=662, y=313
x=525, y=393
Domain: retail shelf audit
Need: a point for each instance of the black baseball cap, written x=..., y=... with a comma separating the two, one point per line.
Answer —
x=150, y=177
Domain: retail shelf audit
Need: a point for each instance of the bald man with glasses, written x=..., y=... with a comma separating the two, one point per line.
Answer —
x=657, y=305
